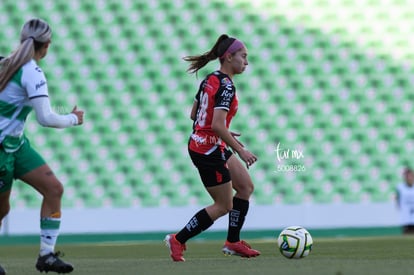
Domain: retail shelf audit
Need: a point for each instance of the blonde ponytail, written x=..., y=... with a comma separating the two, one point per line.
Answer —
x=33, y=35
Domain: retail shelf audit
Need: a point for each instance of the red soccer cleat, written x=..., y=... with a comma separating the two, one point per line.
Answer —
x=240, y=248
x=176, y=248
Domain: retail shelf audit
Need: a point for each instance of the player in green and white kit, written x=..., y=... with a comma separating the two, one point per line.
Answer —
x=23, y=88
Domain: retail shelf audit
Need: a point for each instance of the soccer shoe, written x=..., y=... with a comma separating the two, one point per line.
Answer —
x=2, y=271
x=240, y=248
x=51, y=262
x=176, y=248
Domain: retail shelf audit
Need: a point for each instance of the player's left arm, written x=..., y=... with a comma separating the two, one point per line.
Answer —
x=194, y=110
x=48, y=118
x=219, y=127
x=235, y=136
x=35, y=83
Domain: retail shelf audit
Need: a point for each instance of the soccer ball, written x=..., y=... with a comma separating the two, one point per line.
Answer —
x=295, y=242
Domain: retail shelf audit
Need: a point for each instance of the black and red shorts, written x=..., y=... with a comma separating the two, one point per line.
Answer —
x=212, y=168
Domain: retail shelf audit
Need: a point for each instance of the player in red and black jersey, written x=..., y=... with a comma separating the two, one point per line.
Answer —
x=216, y=92
x=209, y=146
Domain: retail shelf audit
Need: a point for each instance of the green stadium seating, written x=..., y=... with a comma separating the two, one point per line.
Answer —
x=328, y=84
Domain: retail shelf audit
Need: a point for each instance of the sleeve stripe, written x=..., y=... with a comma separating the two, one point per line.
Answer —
x=224, y=108
x=36, y=96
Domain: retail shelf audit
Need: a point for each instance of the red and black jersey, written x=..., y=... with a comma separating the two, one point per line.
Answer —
x=216, y=91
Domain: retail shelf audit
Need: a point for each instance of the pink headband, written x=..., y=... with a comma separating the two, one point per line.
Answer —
x=234, y=47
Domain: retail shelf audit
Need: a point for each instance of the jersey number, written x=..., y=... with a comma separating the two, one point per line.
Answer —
x=202, y=110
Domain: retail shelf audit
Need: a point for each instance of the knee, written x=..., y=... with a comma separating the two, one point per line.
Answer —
x=218, y=210
x=54, y=191
x=250, y=189
x=246, y=190
x=225, y=208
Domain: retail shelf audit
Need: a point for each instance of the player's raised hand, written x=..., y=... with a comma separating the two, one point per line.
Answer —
x=79, y=114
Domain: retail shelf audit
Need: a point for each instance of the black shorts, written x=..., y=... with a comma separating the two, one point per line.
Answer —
x=212, y=168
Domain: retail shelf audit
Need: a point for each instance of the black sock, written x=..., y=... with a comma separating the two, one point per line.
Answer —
x=198, y=223
x=236, y=219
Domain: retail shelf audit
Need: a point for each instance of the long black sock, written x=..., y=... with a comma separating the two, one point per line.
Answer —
x=198, y=223
x=236, y=219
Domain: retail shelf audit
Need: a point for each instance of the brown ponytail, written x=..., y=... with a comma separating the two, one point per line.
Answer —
x=219, y=48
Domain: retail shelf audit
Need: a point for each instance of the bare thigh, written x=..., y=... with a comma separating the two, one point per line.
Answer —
x=240, y=178
x=223, y=200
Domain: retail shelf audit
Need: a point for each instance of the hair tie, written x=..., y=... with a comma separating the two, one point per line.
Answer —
x=32, y=37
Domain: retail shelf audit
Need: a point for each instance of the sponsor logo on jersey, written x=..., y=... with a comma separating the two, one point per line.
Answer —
x=198, y=139
x=206, y=140
x=226, y=98
x=225, y=103
x=40, y=84
x=227, y=94
x=227, y=83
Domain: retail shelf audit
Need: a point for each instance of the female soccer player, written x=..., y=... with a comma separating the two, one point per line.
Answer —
x=214, y=107
x=23, y=87
x=405, y=201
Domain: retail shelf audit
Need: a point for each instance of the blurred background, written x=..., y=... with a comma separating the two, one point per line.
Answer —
x=326, y=104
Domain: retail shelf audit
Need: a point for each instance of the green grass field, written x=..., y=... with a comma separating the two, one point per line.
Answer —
x=334, y=256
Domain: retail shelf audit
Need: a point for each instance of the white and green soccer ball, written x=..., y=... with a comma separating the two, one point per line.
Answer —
x=295, y=242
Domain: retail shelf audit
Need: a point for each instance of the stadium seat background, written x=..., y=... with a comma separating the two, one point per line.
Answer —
x=332, y=79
